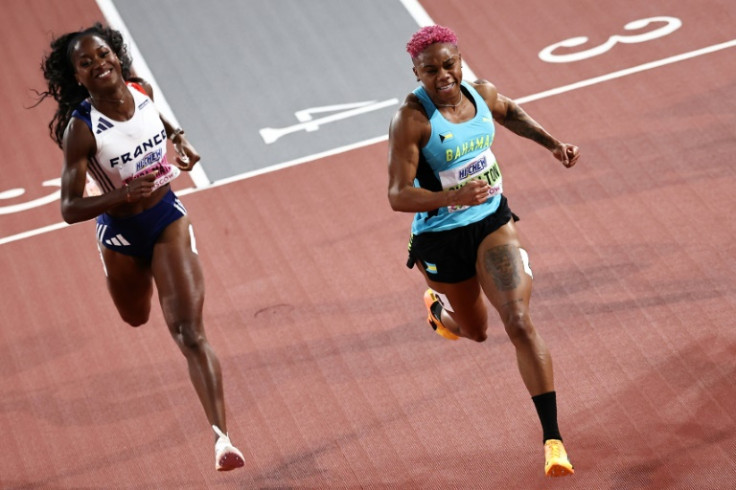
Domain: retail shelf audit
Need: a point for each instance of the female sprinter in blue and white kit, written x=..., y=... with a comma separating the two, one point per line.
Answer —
x=464, y=240
x=110, y=130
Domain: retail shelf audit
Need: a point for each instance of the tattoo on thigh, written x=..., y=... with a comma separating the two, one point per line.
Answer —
x=503, y=265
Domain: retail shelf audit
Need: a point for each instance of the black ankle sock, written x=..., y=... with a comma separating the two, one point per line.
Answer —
x=546, y=405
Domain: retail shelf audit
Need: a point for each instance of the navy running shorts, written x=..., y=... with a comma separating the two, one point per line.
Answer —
x=449, y=256
x=136, y=235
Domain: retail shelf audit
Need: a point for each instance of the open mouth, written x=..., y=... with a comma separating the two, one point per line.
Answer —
x=104, y=73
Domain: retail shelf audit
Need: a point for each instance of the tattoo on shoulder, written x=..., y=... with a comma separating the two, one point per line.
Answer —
x=503, y=264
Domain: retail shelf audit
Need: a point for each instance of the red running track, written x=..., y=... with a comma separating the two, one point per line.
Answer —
x=332, y=378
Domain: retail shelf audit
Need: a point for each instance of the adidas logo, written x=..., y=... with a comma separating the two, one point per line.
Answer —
x=118, y=240
x=102, y=125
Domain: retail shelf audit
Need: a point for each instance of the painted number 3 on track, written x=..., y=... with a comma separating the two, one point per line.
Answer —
x=671, y=24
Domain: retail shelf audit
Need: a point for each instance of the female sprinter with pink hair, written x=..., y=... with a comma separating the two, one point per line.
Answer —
x=464, y=239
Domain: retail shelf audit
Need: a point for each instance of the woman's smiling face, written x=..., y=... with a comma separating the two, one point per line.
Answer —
x=95, y=64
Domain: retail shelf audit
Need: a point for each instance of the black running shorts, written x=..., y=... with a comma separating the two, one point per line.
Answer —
x=449, y=256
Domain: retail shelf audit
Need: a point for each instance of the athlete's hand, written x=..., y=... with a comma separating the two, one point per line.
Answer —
x=140, y=187
x=186, y=155
x=471, y=194
x=567, y=154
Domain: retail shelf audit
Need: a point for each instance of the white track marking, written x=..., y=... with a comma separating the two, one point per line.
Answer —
x=628, y=71
x=529, y=98
x=520, y=100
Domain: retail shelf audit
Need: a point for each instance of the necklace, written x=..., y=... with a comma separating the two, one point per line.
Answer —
x=452, y=105
x=114, y=101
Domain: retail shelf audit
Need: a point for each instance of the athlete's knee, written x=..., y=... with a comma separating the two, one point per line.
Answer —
x=133, y=310
x=476, y=331
x=518, y=325
x=188, y=336
x=135, y=318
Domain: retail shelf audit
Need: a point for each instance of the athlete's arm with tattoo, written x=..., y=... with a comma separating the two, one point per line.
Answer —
x=510, y=115
x=515, y=119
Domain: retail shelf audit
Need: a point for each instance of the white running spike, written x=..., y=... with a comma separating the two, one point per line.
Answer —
x=219, y=432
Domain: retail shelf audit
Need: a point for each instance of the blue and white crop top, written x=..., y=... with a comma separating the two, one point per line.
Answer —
x=127, y=149
x=454, y=155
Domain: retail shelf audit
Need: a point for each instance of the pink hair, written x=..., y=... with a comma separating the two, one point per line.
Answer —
x=427, y=36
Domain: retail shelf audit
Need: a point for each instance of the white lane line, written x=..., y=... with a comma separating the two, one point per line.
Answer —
x=114, y=20
x=628, y=71
x=298, y=161
x=541, y=95
x=30, y=233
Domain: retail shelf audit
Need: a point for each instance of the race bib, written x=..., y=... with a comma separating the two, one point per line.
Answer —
x=165, y=172
x=484, y=166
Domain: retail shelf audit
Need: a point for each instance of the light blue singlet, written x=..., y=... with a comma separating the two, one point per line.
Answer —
x=454, y=155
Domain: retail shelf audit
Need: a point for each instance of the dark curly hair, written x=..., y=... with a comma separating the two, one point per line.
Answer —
x=59, y=74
